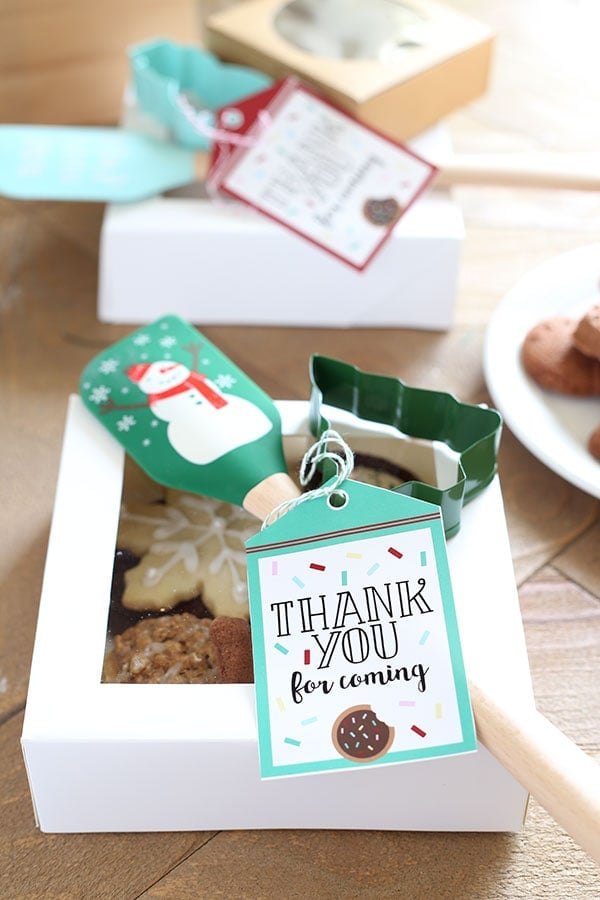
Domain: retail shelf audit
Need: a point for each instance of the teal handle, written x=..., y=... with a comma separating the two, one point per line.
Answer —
x=87, y=163
x=471, y=431
x=162, y=70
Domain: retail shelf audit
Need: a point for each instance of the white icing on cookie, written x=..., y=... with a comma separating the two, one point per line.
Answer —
x=191, y=543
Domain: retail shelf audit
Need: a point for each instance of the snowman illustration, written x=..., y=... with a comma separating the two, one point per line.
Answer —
x=203, y=424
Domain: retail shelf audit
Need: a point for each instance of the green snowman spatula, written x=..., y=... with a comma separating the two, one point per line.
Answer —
x=189, y=417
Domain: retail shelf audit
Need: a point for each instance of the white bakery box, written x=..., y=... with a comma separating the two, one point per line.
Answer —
x=216, y=261
x=169, y=757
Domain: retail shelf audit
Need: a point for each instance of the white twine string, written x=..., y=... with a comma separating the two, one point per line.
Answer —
x=317, y=453
x=200, y=122
x=229, y=140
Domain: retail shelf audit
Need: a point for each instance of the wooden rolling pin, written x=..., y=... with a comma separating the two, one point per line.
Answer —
x=566, y=171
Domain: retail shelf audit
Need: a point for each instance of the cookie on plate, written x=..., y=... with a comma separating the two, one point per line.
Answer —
x=594, y=442
x=586, y=336
x=549, y=357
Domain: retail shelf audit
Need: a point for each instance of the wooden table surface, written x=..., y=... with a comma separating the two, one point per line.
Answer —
x=544, y=95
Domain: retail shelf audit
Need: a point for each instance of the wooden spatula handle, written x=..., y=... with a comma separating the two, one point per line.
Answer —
x=561, y=777
x=569, y=171
x=268, y=494
x=574, y=171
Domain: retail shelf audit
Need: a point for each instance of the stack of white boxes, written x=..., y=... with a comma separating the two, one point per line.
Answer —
x=215, y=261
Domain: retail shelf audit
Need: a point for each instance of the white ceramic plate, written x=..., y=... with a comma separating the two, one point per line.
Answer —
x=553, y=427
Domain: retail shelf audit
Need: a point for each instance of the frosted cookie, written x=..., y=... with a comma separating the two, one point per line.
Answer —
x=594, y=442
x=549, y=357
x=168, y=650
x=382, y=212
x=586, y=337
x=233, y=647
x=358, y=734
x=120, y=618
x=187, y=546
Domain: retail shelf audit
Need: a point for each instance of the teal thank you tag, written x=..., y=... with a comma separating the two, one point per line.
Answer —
x=357, y=654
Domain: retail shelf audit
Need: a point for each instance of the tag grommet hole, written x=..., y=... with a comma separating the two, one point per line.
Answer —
x=337, y=499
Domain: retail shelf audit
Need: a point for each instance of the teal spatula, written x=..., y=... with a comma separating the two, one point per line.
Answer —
x=189, y=417
x=104, y=165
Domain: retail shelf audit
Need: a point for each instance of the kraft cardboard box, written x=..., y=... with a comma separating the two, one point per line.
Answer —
x=398, y=67
x=165, y=757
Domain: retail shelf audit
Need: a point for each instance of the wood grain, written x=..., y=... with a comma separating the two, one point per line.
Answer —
x=544, y=94
x=65, y=63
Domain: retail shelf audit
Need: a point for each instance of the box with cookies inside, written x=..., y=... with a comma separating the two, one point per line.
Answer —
x=146, y=586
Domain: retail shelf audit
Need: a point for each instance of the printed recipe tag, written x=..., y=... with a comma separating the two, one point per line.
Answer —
x=318, y=171
x=356, y=648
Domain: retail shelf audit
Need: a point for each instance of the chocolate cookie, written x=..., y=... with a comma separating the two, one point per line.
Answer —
x=549, y=357
x=586, y=336
x=372, y=469
x=594, y=442
x=233, y=645
x=382, y=212
x=378, y=471
x=358, y=735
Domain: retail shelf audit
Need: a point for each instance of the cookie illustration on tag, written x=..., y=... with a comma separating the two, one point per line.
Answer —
x=384, y=212
x=360, y=736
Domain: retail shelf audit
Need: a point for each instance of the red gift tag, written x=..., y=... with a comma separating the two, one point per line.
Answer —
x=310, y=166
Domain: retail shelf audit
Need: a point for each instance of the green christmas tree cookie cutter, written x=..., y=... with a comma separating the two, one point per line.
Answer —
x=162, y=71
x=471, y=431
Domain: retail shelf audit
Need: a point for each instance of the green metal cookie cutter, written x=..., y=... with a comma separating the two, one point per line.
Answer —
x=163, y=71
x=471, y=431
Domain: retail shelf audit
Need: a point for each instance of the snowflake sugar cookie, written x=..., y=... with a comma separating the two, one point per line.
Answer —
x=188, y=545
